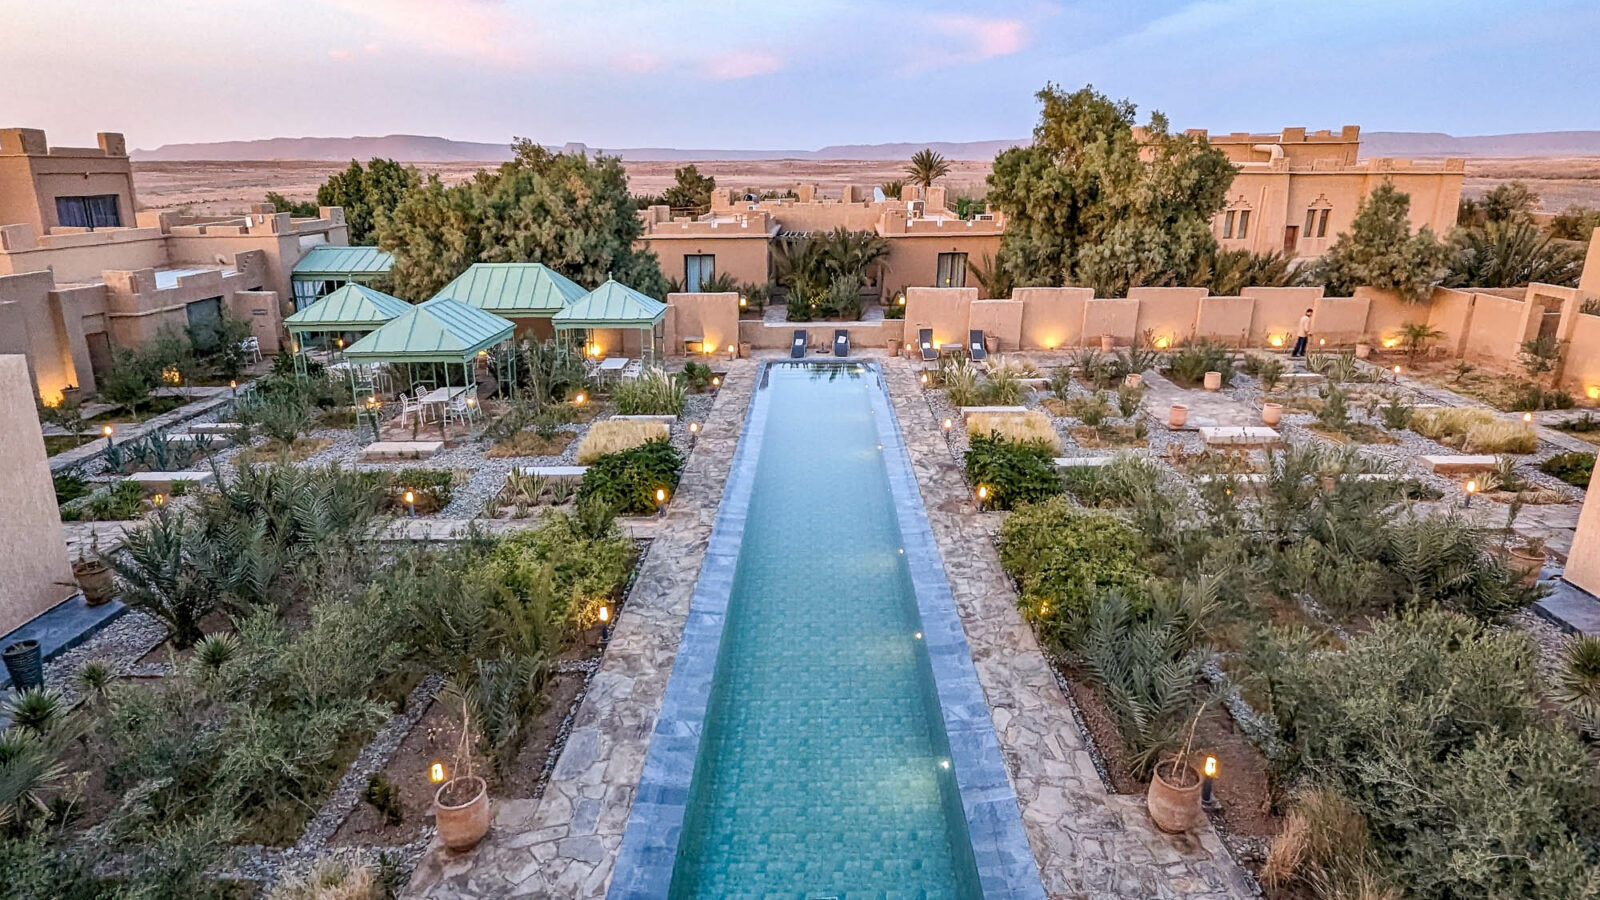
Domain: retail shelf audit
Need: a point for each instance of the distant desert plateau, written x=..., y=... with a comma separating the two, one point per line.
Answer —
x=225, y=187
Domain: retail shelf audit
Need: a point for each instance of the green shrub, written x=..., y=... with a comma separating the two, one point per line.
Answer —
x=1014, y=472
x=121, y=502
x=698, y=375
x=1091, y=410
x=70, y=486
x=1190, y=363
x=1573, y=468
x=1115, y=484
x=383, y=796
x=1396, y=413
x=1065, y=558
x=430, y=488
x=282, y=416
x=653, y=393
x=628, y=481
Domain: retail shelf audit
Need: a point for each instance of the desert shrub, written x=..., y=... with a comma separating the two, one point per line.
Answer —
x=70, y=486
x=1267, y=369
x=1064, y=558
x=627, y=480
x=1060, y=382
x=1030, y=427
x=546, y=373
x=616, y=435
x=1115, y=484
x=1128, y=399
x=1012, y=471
x=122, y=501
x=383, y=796
x=1584, y=424
x=1190, y=363
x=1325, y=846
x=961, y=379
x=1500, y=437
x=1338, y=367
x=653, y=393
x=1335, y=412
x=1091, y=410
x=1003, y=387
x=284, y=417
x=157, y=575
x=1134, y=360
x=1573, y=468
x=1429, y=725
x=1577, y=683
x=1449, y=424
x=332, y=878
x=1396, y=413
x=697, y=375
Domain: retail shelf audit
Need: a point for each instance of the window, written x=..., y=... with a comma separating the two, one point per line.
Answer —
x=1322, y=223
x=1227, y=225
x=1244, y=222
x=697, y=270
x=1311, y=222
x=952, y=270
x=99, y=211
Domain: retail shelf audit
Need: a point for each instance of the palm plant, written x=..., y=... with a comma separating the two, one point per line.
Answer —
x=1578, y=683
x=29, y=769
x=993, y=277
x=1512, y=253
x=157, y=577
x=926, y=167
x=891, y=189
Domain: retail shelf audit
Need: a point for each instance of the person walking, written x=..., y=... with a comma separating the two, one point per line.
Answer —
x=1301, y=335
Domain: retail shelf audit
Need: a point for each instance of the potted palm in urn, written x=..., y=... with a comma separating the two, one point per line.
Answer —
x=93, y=574
x=461, y=804
x=1174, y=795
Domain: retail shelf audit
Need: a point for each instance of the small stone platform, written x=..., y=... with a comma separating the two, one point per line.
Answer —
x=381, y=451
x=1082, y=462
x=557, y=472
x=162, y=482
x=222, y=428
x=1459, y=465
x=1240, y=436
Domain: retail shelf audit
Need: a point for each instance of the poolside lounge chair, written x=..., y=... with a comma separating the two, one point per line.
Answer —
x=975, y=347
x=798, y=348
x=930, y=353
x=841, y=342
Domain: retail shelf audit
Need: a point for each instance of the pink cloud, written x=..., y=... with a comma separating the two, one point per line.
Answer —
x=982, y=38
x=733, y=66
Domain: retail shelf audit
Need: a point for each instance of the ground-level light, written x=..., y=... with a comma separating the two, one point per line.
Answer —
x=1527, y=417
x=743, y=303
x=1208, y=779
x=160, y=499
x=924, y=378
x=694, y=427
x=1162, y=342
x=947, y=424
x=578, y=400
x=436, y=773
x=716, y=381
x=983, y=492
x=1276, y=340
x=411, y=503
x=605, y=613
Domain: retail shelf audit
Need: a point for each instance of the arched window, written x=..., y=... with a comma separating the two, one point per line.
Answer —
x=1317, y=217
x=1236, y=220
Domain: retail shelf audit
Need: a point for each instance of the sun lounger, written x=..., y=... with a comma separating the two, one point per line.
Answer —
x=930, y=352
x=975, y=347
x=841, y=342
x=798, y=348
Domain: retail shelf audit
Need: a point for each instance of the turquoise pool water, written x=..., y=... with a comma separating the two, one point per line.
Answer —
x=823, y=769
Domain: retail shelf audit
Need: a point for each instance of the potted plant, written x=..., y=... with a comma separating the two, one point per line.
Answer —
x=1363, y=347
x=461, y=805
x=1107, y=343
x=24, y=664
x=1174, y=795
x=1178, y=415
x=93, y=575
x=1527, y=560
x=1271, y=414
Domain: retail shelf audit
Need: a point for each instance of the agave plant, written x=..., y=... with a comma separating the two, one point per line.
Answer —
x=38, y=710
x=1578, y=683
x=29, y=770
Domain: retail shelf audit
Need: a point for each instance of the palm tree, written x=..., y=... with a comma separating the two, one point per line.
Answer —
x=1512, y=253
x=891, y=189
x=927, y=167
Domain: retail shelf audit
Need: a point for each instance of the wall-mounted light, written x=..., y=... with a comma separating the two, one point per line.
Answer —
x=1163, y=342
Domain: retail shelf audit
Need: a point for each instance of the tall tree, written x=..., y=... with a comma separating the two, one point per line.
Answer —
x=566, y=210
x=367, y=194
x=1092, y=202
x=1511, y=253
x=926, y=167
x=690, y=189
x=1380, y=251
x=300, y=209
x=1508, y=201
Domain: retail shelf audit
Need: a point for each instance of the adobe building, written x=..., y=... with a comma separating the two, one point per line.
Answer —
x=83, y=269
x=929, y=245
x=1296, y=191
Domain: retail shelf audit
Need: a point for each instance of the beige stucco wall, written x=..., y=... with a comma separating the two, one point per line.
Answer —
x=914, y=260
x=1117, y=317
x=1168, y=314
x=745, y=258
x=1278, y=311
x=946, y=310
x=35, y=573
x=998, y=318
x=714, y=318
x=1498, y=328
x=1052, y=317
x=1225, y=319
x=1582, y=369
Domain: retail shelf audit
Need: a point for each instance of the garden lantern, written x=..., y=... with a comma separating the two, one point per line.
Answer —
x=694, y=427
x=900, y=300
x=108, y=431
x=743, y=303
x=1208, y=781
x=947, y=424
x=234, y=386
x=924, y=379
x=578, y=400
x=1472, y=488
x=716, y=381
x=159, y=499
x=917, y=636
x=436, y=773
x=1527, y=418
x=733, y=352
x=411, y=503
x=661, y=502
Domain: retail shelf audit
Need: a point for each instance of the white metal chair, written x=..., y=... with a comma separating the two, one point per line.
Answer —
x=632, y=370
x=251, y=348
x=458, y=409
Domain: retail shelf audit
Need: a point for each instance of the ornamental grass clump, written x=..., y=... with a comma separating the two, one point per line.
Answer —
x=1449, y=425
x=1029, y=427
x=654, y=393
x=616, y=435
x=1500, y=437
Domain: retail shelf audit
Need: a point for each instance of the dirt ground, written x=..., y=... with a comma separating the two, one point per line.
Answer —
x=226, y=187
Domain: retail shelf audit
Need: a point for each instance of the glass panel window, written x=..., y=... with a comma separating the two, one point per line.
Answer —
x=952, y=270
x=1322, y=224
x=99, y=211
x=1244, y=222
x=1227, y=225
x=697, y=270
x=1311, y=221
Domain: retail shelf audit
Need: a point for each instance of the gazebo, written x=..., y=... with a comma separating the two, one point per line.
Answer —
x=526, y=293
x=353, y=308
x=614, y=307
x=441, y=334
x=325, y=268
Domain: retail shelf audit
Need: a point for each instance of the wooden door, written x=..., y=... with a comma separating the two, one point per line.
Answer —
x=1291, y=238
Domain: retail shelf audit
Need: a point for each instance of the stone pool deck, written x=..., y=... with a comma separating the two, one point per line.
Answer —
x=564, y=844
x=1089, y=843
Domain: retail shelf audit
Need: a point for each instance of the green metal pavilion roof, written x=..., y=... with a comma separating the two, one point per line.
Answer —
x=513, y=289
x=441, y=330
x=342, y=262
x=611, y=305
x=353, y=307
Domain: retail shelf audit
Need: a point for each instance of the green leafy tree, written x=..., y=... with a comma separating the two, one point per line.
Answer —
x=300, y=209
x=367, y=194
x=1575, y=223
x=1512, y=201
x=567, y=210
x=1380, y=250
x=1092, y=202
x=926, y=167
x=1511, y=253
x=690, y=189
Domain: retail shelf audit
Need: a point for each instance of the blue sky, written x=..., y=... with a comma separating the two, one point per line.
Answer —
x=797, y=74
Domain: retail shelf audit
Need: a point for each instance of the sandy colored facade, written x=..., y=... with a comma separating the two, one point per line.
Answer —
x=83, y=270
x=1296, y=191
x=929, y=245
x=35, y=573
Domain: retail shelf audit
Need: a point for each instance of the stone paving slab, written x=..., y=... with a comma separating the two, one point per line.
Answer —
x=163, y=481
x=1239, y=436
x=1088, y=842
x=1082, y=462
x=1458, y=465
x=378, y=451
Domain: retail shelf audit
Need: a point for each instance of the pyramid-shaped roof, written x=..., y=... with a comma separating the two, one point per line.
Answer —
x=513, y=289
x=441, y=330
x=354, y=307
x=611, y=305
x=343, y=262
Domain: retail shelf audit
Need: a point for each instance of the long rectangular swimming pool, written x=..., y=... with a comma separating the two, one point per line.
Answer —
x=840, y=745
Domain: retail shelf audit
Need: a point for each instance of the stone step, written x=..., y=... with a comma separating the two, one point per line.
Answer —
x=562, y=472
x=1302, y=379
x=162, y=482
x=380, y=451
x=1239, y=436
x=198, y=440
x=1459, y=465
x=216, y=428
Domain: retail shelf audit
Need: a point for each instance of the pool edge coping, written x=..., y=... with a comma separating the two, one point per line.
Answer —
x=644, y=865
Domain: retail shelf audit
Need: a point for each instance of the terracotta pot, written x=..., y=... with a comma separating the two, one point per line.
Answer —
x=894, y=347
x=991, y=343
x=1174, y=809
x=94, y=579
x=744, y=349
x=461, y=827
x=1107, y=342
x=1178, y=415
x=1363, y=350
x=1133, y=380
x=1271, y=414
x=1526, y=564
x=1213, y=381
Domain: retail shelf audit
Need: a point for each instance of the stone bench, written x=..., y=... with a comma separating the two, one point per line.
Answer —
x=563, y=473
x=1082, y=462
x=664, y=420
x=225, y=428
x=380, y=451
x=162, y=482
x=1459, y=465
x=1239, y=436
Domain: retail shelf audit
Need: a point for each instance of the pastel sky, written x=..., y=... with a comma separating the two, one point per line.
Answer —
x=798, y=74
